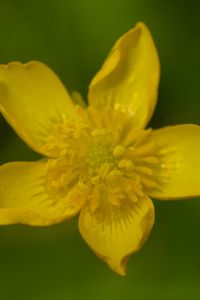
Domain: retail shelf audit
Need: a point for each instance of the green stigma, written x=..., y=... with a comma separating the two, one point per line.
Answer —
x=99, y=154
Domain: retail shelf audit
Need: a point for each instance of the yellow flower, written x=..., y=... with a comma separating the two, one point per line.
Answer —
x=100, y=161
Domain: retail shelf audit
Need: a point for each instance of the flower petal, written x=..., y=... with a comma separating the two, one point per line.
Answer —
x=116, y=232
x=24, y=197
x=32, y=99
x=178, y=173
x=128, y=80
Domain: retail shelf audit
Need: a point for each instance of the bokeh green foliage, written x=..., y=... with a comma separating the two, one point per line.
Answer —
x=74, y=37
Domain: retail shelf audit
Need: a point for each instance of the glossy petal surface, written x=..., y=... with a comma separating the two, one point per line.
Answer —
x=128, y=79
x=24, y=197
x=178, y=173
x=114, y=233
x=33, y=99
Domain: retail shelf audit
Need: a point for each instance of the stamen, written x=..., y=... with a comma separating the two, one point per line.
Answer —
x=103, y=170
x=94, y=117
x=130, y=138
x=126, y=164
x=100, y=160
x=94, y=199
x=142, y=137
x=145, y=150
x=113, y=199
x=144, y=170
x=113, y=178
x=148, y=183
x=118, y=150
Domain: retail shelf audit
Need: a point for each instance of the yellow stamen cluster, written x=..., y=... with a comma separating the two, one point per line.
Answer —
x=100, y=161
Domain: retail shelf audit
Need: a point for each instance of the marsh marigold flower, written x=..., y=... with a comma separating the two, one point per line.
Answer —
x=100, y=161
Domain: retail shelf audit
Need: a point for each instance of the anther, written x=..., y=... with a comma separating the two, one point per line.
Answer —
x=113, y=178
x=118, y=150
x=103, y=170
x=125, y=164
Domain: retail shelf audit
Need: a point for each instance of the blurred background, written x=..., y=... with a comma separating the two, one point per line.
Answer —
x=73, y=37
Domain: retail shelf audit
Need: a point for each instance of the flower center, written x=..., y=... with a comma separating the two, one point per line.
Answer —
x=98, y=155
x=100, y=151
x=103, y=158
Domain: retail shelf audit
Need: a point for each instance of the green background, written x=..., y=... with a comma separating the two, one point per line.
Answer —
x=73, y=38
